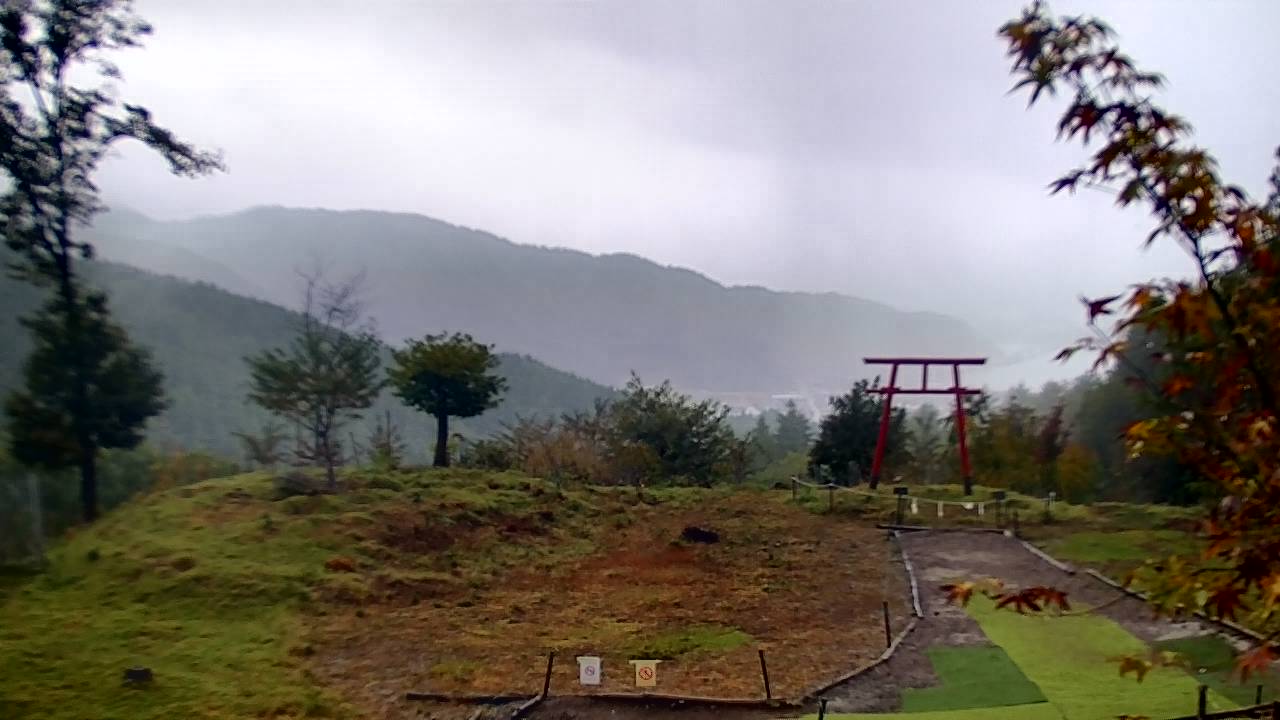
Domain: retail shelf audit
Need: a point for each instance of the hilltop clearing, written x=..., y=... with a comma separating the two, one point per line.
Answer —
x=247, y=605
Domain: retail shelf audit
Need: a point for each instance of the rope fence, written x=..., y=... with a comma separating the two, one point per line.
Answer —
x=920, y=506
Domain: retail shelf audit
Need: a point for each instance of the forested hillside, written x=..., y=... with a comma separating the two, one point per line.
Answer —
x=200, y=335
x=599, y=316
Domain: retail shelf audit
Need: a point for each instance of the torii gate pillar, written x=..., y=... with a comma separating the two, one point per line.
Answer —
x=892, y=389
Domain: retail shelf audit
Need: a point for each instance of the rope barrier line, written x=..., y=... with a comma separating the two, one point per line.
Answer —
x=1228, y=625
x=968, y=505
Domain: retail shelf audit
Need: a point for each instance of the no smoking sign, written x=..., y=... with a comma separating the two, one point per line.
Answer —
x=588, y=670
x=646, y=672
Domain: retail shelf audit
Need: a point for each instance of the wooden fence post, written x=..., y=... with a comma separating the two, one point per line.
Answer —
x=546, y=683
x=1202, y=701
x=764, y=672
x=794, y=482
x=888, y=634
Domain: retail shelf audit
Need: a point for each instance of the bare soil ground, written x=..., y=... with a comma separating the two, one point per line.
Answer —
x=806, y=588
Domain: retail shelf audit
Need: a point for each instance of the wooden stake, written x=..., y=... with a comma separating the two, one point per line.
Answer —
x=546, y=683
x=37, y=516
x=1202, y=701
x=1257, y=696
x=888, y=635
x=764, y=672
x=793, y=489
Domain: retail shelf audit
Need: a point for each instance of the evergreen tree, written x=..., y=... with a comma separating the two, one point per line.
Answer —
x=924, y=443
x=100, y=390
x=116, y=383
x=386, y=448
x=326, y=376
x=764, y=446
x=794, y=431
x=447, y=376
x=690, y=440
x=847, y=436
x=265, y=448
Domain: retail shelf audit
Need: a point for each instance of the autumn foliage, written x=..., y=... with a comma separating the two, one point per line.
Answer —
x=1213, y=334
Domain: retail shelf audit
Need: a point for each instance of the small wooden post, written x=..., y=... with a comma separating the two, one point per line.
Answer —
x=37, y=516
x=831, y=497
x=794, y=482
x=822, y=709
x=764, y=672
x=1202, y=701
x=1257, y=696
x=546, y=682
x=888, y=634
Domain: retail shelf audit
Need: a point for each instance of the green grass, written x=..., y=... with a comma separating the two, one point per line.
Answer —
x=972, y=677
x=1067, y=657
x=794, y=464
x=698, y=638
x=1217, y=659
x=115, y=597
x=1097, y=547
x=1038, y=711
x=213, y=586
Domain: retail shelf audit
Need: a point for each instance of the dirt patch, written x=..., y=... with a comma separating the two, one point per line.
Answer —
x=410, y=533
x=805, y=588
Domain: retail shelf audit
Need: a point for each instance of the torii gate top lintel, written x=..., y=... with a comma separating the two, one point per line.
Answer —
x=956, y=389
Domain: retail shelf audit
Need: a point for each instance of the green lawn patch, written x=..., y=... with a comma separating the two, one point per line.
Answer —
x=972, y=677
x=669, y=646
x=1038, y=711
x=1217, y=659
x=1094, y=547
x=1067, y=657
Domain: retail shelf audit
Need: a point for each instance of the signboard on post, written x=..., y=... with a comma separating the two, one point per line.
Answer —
x=646, y=672
x=588, y=670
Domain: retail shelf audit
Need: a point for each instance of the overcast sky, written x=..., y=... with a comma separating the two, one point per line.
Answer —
x=862, y=147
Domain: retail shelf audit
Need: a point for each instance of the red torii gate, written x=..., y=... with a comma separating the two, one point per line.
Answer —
x=956, y=389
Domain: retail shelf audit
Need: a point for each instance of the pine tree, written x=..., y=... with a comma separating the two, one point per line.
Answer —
x=87, y=388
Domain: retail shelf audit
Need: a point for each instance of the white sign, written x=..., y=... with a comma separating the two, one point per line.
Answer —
x=588, y=670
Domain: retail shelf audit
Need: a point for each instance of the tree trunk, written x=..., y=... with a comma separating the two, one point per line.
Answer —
x=330, y=476
x=79, y=406
x=89, y=484
x=327, y=455
x=442, y=441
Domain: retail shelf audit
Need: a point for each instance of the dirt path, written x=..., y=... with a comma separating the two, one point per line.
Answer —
x=940, y=557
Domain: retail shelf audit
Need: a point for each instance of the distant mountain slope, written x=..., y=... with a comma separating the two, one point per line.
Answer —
x=598, y=316
x=200, y=335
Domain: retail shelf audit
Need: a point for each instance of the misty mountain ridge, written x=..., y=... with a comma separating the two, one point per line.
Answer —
x=200, y=334
x=599, y=316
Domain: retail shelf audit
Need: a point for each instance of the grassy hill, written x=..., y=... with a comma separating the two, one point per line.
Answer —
x=200, y=334
x=598, y=316
x=245, y=604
